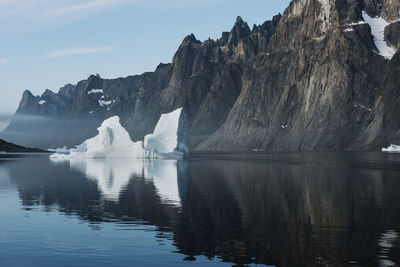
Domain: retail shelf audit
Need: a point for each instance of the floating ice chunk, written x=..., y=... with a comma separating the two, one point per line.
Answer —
x=41, y=102
x=95, y=91
x=392, y=148
x=62, y=150
x=378, y=31
x=113, y=141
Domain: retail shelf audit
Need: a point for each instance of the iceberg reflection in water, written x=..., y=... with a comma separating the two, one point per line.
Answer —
x=113, y=175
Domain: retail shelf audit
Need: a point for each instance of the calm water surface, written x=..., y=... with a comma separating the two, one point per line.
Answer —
x=275, y=209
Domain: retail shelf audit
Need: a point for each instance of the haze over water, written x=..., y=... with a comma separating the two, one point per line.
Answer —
x=277, y=209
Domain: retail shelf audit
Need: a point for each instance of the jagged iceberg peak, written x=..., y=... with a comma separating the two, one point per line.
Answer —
x=169, y=135
x=113, y=140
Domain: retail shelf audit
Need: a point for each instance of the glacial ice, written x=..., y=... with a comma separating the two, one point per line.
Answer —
x=392, y=148
x=378, y=31
x=113, y=141
x=164, y=139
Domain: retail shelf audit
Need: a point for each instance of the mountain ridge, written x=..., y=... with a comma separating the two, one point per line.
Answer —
x=296, y=82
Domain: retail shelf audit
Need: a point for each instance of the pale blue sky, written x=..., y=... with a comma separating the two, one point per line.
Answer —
x=49, y=43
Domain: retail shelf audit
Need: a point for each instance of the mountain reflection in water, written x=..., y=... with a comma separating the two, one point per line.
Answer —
x=293, y=209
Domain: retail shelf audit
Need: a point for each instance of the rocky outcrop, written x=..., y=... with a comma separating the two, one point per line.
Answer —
x=311, y=79
x=10, y=147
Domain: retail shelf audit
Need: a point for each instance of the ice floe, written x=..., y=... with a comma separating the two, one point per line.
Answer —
x=392, y=148
x=62, y=150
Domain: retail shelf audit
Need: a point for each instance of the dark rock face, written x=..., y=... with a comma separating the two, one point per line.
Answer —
x=307, y=80
x=10, y=147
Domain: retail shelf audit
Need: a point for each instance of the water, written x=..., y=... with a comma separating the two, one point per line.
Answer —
x=275, y=209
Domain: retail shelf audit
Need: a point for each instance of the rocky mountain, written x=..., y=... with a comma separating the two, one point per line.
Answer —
x=322, y=76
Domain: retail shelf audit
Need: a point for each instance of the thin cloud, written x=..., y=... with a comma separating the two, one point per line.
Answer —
x=3, y=61
x=44, y=10
x=78, y=51
x=86, y=7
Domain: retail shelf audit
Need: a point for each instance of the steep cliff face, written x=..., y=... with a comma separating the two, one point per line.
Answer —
x=314, y=88
x=314, y=78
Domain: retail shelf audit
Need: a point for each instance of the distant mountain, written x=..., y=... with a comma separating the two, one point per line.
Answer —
x=322, y=76
x=10, y=147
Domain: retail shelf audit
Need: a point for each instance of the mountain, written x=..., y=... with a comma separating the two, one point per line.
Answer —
x=321, y=76
x=10, y=147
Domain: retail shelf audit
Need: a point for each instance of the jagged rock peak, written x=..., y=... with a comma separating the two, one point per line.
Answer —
x=239, y=31
x=47, y=92
x=239, y=21
x=27, y=94
x=191, y=39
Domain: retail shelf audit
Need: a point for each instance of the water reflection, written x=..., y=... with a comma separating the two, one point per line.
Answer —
x=113, y=175
x=285, y=210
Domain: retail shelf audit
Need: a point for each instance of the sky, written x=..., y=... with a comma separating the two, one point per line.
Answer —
x=45, y=44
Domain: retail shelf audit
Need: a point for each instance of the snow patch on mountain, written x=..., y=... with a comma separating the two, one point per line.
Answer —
x=95, y=91
x=378, y=25
x=104, y=103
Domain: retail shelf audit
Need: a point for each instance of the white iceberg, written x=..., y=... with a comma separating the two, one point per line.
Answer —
x=113, y=141
x=392, y=148
x=168, y=138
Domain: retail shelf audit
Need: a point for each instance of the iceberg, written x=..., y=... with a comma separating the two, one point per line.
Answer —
x=113, y=141
x=168, y=138
x=392, y=148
